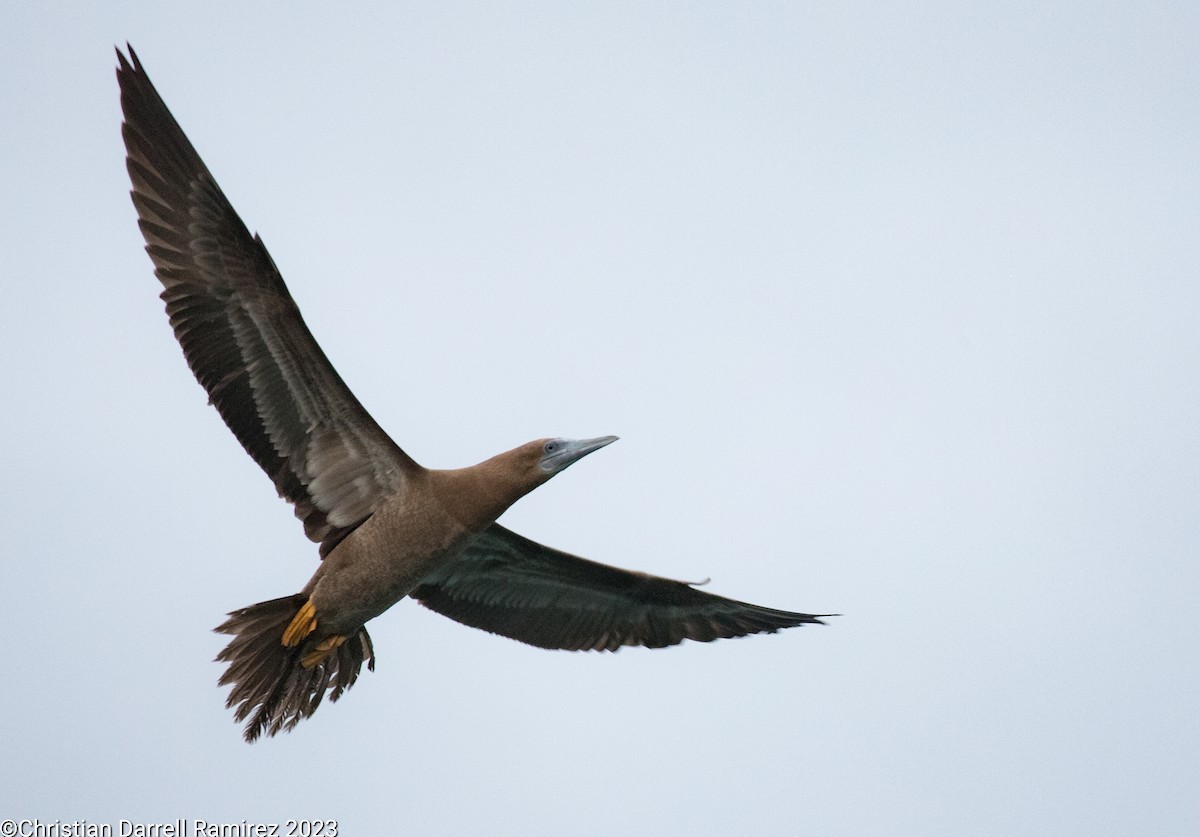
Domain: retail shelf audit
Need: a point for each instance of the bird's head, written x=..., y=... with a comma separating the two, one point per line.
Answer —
x=480, y=494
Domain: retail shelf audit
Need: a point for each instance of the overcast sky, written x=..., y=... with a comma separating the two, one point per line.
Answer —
x=894, y=307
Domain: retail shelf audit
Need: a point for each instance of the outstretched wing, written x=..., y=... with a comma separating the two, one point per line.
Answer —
x=242, y=334
x=511, y=586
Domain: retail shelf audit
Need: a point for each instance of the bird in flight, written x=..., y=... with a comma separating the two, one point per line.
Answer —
x=387, y=527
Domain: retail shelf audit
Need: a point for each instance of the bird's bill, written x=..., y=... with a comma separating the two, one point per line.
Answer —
x=569, y=451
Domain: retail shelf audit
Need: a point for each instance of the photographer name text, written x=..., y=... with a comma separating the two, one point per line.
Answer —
x=173, y=828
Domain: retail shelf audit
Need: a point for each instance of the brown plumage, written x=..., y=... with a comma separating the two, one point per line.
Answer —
x=387, y=527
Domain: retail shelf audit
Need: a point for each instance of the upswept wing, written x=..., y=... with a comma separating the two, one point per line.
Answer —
x=509, y=585
x=242, y=334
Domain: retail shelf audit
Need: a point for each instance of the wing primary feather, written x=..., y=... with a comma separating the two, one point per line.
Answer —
x=242, y=334
x=514, y=587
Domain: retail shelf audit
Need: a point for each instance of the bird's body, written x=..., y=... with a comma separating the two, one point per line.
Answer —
x=387, y=528
x=385, y=559
x=411, y=534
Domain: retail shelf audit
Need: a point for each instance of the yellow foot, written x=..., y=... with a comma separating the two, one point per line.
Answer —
x=321, y=649
x=303, y=624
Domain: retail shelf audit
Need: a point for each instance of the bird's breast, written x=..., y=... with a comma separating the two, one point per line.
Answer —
x=381, y=561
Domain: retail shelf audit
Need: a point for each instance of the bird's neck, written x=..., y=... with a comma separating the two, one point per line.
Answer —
x=476, y=496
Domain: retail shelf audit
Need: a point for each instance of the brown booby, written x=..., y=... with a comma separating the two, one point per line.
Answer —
x=387, y=527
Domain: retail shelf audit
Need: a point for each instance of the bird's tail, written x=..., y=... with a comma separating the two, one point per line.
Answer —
x=276, y=683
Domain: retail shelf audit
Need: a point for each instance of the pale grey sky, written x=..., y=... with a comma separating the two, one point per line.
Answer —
x=894, y=307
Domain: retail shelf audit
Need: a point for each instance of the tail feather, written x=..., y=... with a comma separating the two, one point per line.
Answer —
x=350, y=659
x=270, y=686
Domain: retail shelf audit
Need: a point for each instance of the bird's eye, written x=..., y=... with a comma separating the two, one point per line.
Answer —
x=551, y=447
